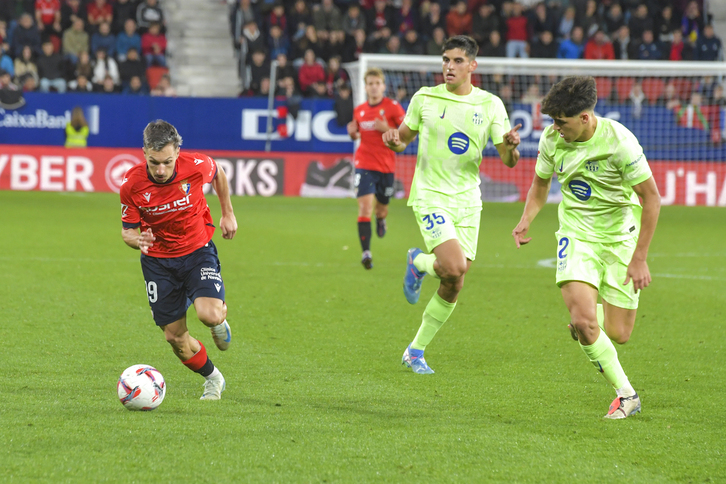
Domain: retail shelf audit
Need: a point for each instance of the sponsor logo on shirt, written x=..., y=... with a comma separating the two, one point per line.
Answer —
x=181, y=204
x=209, y=273
x=458, y=143
x=636, y=161
x=581, y=190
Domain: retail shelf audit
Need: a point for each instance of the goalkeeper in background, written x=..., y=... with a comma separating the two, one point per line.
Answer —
x=455, y=120
x=374, y=163
x=604, y=234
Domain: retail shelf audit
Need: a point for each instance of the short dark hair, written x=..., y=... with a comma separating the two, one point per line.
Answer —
x=463, y=42
x=159, y=133
x=570, y=97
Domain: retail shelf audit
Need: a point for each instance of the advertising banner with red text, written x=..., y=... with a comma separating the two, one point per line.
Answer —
x=253, y=173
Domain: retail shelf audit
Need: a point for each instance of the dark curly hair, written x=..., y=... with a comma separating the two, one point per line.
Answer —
x=570, y=97
x=463, y=42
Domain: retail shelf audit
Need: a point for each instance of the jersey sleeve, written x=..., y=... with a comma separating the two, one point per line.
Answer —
x=130, y=214
x=500, y=121
x=397, y=114
x=208, y=167
x=633, y=165
x=413, y=114
x=545, y=166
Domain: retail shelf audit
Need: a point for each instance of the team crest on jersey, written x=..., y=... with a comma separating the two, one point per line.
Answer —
x=382, y=112
x=592, y=165
x=477, y=119
x=185, y=187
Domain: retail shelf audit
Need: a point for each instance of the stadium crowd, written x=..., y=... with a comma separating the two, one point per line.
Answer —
x=105, y=46
x=310, y=40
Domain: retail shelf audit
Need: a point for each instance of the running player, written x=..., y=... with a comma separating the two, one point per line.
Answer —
x=455, y=120
x=374, y=163
x=604, y=234
x=165, y=216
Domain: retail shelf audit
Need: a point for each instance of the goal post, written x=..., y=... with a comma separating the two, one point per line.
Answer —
x=675, y=109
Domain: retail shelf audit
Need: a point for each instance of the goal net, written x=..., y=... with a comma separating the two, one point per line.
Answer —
x=676, y=110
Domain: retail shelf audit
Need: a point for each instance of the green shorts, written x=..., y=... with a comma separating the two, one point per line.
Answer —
x=603, y=265
x=441, y=224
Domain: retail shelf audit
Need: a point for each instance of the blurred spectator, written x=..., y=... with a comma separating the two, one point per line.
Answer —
x=573, y=47
x=104, y=39
x=664, y=25
x=75, y=40
x=25, y=65
x=380, y=17
x=435, y=45
x=252, y=40
x=309, y=41
x=546, y=47
x=70, y=11
x=591, y=20
x=393, y=46
x=107, y=86
x=542, y=21
x=284, y=69
x=494, y=48
x=7, y=11
x=459, y=20
x=623, y=45
x=599, y=47
x=298, y=20
x=6, y=62
x=264, y=88
x=99, y=11
x=334, y=46
x=614, y=19
x=287, y=88
x=708, y=47
x=277, y=17
x=719, y=97
x=637, y=98
x=326, y=17
x=343, y=105
x=51, y=69
x=11, y=97
x=353, y=20
x=77, y=129
x=163, y=87
x=153, y=46
x=123, y=10
x=378, y=39
x=692, y=23
x=25, y=33
x=278, y=41
x=567, y=23
x=84, y=66
x=533, y=94
x=335, y=76
x=149, y=12
x=103, y=67
x=127, y=39
x=484, y=22
x=48, y=16
x=648, y=49
x=507, y=96
x=407, y=17
x=135, y=87
x=640, y=21
x=4, y=38
x=132, y=66
x=259, y=69
x=517, y=33
x=411, y=44
x=317, y=90
x=432, y=21
x=679, y=50
x=310, y=72
x=359, y=45
x=240, y=16
x=27, y=83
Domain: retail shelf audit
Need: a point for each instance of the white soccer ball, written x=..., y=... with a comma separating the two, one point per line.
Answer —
x=141, y=387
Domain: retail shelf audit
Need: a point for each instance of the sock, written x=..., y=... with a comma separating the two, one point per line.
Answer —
x=200, y=362
x=604, y=356
x=425, y=263
x=601, y=317
x=364, y=232
x=435, y=315
x=216, y=373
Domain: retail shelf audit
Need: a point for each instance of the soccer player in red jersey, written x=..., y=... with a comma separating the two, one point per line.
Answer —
x=375, y=164
x=165, y=216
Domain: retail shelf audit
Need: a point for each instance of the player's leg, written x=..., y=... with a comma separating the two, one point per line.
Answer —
x=619, y=322
x=384, y=192
x=365, y=189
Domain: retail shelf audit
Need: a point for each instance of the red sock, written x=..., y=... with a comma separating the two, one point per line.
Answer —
x=200, y=362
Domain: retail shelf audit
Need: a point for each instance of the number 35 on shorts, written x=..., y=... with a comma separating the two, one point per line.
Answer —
x=433, y=219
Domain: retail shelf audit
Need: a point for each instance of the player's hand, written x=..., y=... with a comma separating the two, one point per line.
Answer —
x=639, y=273
x=352, y=128
x=228, y=224
x=146, y=240
x=391, y=139
x=511, y=139
x=520, y=234
x=381, y=125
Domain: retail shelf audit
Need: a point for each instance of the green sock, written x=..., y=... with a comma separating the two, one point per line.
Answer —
x=604, y=356
x=601, y=317
x=435, y=315
x=425, y=263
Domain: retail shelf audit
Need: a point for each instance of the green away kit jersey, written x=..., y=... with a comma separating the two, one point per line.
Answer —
x=598, y=201
x=453, y=131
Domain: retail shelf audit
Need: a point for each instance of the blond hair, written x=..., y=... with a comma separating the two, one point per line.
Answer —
x=375, y=72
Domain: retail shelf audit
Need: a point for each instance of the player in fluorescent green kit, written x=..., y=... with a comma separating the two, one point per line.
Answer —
x=455, y=120
x=604, y=234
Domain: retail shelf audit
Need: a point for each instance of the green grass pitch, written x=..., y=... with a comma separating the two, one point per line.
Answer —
x=315, y=389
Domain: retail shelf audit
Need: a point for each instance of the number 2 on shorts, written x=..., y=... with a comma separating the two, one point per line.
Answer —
x=563, y=244
x=431, y=219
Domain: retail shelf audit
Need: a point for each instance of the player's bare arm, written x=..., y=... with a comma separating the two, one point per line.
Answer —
x=381, y=125
x=398, y=139
x=353, y=132
x=507, y=149
x=536, y=198
x=228, y=222
x=138, y=240
x=638, y=268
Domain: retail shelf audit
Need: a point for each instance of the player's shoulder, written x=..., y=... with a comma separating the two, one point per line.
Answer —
x=362, y=105
x=387, y=101
x=611, y=127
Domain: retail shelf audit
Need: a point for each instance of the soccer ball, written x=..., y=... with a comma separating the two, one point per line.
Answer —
x=141, y=387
